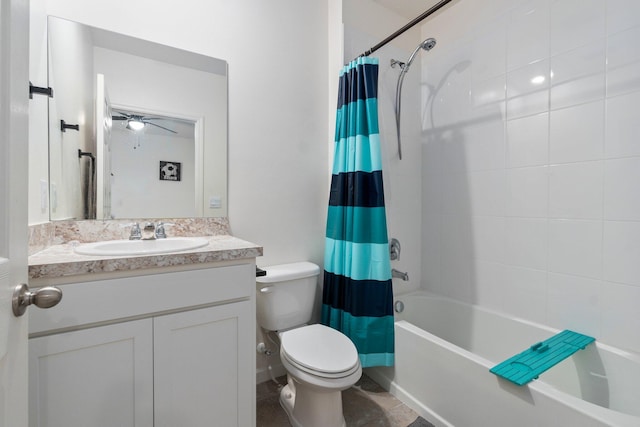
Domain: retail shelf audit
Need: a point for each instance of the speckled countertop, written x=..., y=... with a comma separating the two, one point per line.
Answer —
x=58, y=259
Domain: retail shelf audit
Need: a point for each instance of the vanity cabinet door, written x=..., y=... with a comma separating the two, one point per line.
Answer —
x=96, y=377
x=204, y=367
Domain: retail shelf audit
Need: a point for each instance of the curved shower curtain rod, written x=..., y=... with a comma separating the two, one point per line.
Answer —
x=412, y=23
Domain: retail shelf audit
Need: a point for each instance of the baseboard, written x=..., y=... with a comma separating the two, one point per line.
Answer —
x=263, y=375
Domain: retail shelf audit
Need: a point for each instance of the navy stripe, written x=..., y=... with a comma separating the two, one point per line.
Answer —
x=359, y=83
x=362, y=189
x=370, y=298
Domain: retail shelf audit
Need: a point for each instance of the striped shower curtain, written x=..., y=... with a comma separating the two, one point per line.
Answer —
x=357, y=297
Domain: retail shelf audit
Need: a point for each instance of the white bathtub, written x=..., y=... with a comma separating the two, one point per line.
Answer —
x=444, y=350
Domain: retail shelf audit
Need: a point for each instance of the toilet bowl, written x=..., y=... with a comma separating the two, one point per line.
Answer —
x=320, y=361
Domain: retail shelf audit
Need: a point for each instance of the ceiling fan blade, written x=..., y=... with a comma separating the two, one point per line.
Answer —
x=161, y=127
x=119, y=118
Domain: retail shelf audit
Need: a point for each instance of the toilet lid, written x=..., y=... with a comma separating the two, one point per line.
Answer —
x=320, y=349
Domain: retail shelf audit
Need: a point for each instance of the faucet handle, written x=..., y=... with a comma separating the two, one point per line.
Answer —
x=394, y=249
x=160, y=231
x=136, y=233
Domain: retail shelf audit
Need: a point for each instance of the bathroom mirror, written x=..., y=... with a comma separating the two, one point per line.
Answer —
x=100, y=167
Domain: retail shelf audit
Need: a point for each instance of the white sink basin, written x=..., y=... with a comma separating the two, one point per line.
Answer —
x=141, y=247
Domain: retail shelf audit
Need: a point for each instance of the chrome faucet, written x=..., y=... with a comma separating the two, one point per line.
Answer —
x=149, y=231
x=399, y=274
x=136, y=234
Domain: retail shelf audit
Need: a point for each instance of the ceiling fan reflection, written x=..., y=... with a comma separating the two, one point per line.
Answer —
x=137, y=122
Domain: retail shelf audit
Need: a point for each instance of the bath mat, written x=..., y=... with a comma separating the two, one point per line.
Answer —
x=528, y=365
x=420, y=422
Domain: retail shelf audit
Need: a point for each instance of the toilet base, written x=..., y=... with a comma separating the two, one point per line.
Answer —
x=309, y=407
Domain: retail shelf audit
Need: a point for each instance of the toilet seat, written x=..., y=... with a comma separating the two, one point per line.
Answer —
x=320, y=351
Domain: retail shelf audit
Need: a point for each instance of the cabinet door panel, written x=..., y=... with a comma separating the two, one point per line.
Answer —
x=201, y=359
x=96, y=377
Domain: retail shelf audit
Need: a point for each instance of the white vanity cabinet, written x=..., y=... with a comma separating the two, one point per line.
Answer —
x=202, y=367
x=171, y=349
x=95, y=377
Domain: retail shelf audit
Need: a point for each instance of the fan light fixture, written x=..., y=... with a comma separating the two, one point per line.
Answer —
x=135, y=124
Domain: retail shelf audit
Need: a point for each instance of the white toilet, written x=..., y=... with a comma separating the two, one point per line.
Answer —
x=320, y=361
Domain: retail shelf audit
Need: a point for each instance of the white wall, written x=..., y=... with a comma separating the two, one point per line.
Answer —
x=531, y=162
x=135, y=183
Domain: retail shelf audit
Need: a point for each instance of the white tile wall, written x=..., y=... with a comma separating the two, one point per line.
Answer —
x=621, y=252
x=528, y=192
x=575, y=247
x=622, y=195
x=528, y=141
x=528, y=90
x=577, y=133
x=531, y=162
x=574, y=303
x=578, y=76
x=622, y=14
x=525, y=42
x=575, y=190
x=575, y=23
x=622, y=126
x=623, y=62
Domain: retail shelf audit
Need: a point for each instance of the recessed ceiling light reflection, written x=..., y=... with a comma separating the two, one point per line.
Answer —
x=538, y=80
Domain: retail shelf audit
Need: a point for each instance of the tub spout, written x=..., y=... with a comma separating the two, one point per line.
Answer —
x=399, y=275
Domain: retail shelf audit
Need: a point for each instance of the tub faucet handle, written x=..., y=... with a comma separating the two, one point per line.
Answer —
x=394, y=249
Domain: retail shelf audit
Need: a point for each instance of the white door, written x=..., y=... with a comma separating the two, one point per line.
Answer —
x=14, y=97
x=103, y=150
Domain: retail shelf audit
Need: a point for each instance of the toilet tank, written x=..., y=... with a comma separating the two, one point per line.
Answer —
x=285, y=295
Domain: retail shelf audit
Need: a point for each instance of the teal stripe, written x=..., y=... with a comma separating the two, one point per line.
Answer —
x=357, y=224
x=359, y=117
x=359, y=261
x=359, y=61
x=372, y=336
x=357, y=153
x=378, y=359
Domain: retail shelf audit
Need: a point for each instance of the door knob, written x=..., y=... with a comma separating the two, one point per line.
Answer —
x=42, y=297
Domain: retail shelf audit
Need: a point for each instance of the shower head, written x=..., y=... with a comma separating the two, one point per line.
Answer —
x=427, y=45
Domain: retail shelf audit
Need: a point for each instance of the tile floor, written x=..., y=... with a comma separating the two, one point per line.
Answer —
x=365, y=404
